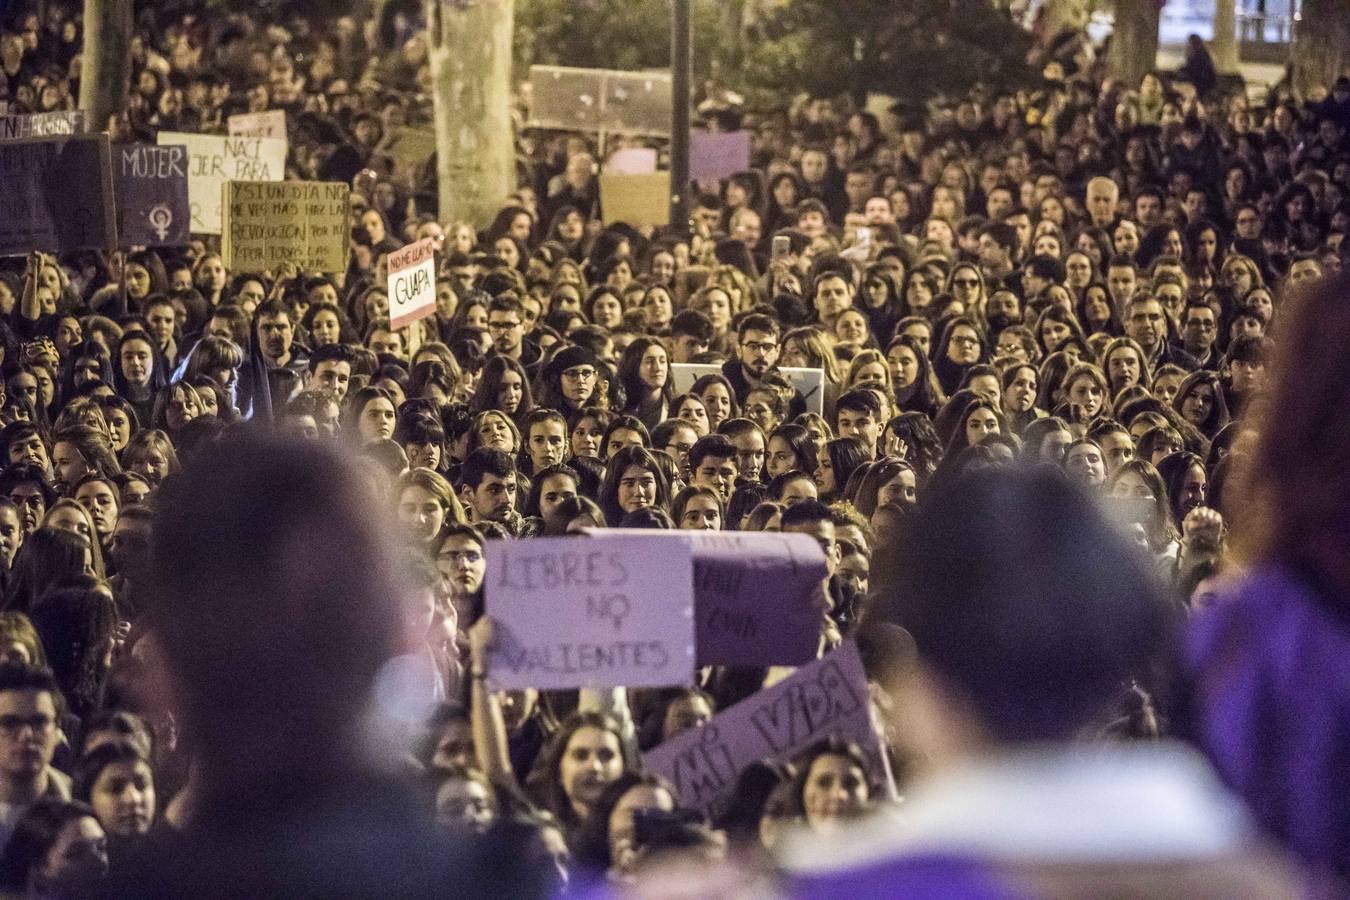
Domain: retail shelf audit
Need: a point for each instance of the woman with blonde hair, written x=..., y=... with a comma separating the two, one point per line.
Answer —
x=807, y=347
x=739, y=288
x=19, y=641
x=426, y=505
x=869, y=369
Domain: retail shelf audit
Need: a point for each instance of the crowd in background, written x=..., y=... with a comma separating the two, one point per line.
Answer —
x=1077, y=289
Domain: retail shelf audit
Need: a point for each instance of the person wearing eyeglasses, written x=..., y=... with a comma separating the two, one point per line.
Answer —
x=506, y=325
x=1199, y=331
x=756, y=353
x=30, y=708
x=570, y=381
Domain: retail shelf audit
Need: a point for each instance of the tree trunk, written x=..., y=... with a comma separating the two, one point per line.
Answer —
x=1321, y=45
x=1224, y=47
x=469, y=48
x=1134, y=42
x=729, y=53
x=105, y=67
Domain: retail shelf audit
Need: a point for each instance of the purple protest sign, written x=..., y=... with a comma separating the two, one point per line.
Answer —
x=58, y=195
x=718, y=154
x=152, y=195
x=601, y=611
x=759, y=597
x=826, y=697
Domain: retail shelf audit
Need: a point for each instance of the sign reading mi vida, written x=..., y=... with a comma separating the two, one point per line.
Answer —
x=214, y=160
x=827, y=697
x=412, y=282
x=58, y=195
x=590, y=612
x=271, y=224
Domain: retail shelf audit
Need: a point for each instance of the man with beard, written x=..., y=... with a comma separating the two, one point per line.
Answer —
x=286, y=361
x=1003, y=310
x=757, y=351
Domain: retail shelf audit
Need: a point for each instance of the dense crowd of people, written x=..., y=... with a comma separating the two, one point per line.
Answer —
x=1018, y=300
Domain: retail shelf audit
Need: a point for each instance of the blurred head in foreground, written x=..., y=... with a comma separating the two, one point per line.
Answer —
x=1029, y=611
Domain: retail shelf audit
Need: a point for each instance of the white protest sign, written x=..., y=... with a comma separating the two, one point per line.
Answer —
x=49, y=124
x=631, y=161
x=683, y=375
x=810, y=385
x=593, y=611
x=214, y=161
x=270, y=124
x=412, y=282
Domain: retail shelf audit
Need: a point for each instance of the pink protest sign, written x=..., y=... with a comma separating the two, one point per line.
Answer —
x=826, y=697
x=601, y=611
x=718, y=154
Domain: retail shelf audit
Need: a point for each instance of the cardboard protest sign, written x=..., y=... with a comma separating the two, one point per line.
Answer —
x=152, y=195
x=215, y=160
x=600, y=100
x=48, y=124
x=758, y=597
x=638, y=102
x=636, y=199
x=270, y=124
x=413, y=146
x=58, y=195
x=268, y=224
x=594, y=611
x=718, y=154
x=412, y=282
x=826, y=697
x=631, y=161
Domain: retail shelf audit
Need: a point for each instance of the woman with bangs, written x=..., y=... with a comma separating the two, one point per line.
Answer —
x=633, y=480
x=1201, y=401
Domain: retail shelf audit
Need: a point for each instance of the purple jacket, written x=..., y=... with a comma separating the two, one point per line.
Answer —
x=1269, y=668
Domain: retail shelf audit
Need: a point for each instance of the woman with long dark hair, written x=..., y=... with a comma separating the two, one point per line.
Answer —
x=912, y=376
x=961, y=346
x=836, y=463
x=505, y=387
x=78, y=627
x=644, y=375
